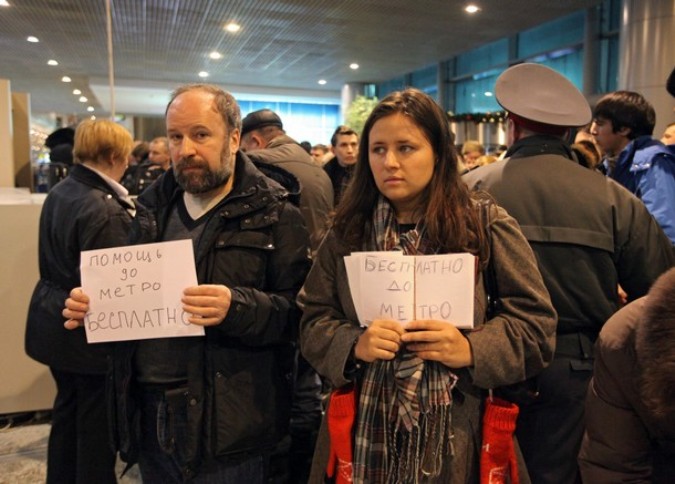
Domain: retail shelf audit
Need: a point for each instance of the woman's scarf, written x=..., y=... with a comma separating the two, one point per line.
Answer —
x=404, y=426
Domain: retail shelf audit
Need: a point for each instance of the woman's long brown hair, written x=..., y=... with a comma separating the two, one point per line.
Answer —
x=450, y=217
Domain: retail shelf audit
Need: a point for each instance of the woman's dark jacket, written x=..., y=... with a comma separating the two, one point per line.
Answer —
x=82, y=212
x=239, y=386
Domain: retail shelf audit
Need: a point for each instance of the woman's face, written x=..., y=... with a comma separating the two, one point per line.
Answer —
x=402, y=162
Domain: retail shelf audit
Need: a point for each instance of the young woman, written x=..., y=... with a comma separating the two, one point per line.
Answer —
x=420, y=389
x=87, y=210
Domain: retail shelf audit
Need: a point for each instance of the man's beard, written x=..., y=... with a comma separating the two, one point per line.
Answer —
x=204, y=179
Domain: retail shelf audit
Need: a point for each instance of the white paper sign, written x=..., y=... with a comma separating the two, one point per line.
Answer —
x=390, y=285
x=135, y=291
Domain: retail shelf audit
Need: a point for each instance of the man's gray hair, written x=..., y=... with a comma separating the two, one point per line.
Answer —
x=225, y=102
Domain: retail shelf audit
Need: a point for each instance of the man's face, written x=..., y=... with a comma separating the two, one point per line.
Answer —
x=669, y=136
x=202, y=149
x=317, y=155
x=159, y=154
x=346, y=149
x=470, y=158
x=610, y=143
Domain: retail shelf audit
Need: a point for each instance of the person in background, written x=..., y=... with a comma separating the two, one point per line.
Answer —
x=212, y=409
x=420, y=389
x=88, y=210
x=157, y=163
x=585, y=246
x=345, y=148
x=623, y=123
x=307, y=146
x=668, y=137
x=319, y=153
x=471, y=151
x=265, y=141
x=630, y=408
x=587, y=154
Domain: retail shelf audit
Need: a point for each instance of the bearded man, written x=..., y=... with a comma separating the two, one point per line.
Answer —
x=212, y=409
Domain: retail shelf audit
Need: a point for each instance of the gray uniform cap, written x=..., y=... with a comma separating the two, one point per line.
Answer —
x=538, y=93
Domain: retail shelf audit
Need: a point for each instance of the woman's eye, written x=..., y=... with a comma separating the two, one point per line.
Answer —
x=378, y=150
x=405, y=148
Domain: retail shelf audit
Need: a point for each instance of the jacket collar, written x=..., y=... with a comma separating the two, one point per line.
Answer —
x=539, y=145
x=251, y=190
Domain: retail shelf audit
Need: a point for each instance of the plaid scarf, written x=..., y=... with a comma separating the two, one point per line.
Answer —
x=404, y=426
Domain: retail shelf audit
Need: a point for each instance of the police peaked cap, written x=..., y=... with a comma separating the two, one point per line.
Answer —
x=538, y=93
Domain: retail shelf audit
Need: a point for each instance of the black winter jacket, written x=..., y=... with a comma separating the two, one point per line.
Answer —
x=240, y=381
x=82, y=212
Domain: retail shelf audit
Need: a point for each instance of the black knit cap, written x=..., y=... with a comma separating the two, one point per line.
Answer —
x=260, y=119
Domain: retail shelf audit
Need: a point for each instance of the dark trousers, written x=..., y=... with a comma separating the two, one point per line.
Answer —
x=163, y=430
x=550, y=430
x=79, y=446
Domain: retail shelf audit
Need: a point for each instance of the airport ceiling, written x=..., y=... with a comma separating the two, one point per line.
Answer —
x=284, y=47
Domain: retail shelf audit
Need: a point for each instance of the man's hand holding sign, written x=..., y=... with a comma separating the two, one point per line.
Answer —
x=142, y=292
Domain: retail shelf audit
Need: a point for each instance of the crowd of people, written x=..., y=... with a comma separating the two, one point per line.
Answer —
x=565, y=375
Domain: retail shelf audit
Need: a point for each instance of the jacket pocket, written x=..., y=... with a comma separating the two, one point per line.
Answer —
x=240, y=259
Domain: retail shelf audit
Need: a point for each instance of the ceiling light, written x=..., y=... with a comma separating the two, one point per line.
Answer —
x=32, y=38
x=93, y=118
x=90, y=109
x=77, y=92
x=353, y=66
x=215, y=55
x=52, y=62
x=232, y=27
x=83, y=99
x=203, y=74
x=4, y=3
x=66, y=79
x=322, y=81
x=488, y=93
x=471, y=8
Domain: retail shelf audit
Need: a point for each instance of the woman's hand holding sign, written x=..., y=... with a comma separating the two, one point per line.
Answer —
x=438, y=341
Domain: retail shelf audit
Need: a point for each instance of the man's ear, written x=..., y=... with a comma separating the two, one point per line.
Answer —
x=624, y=131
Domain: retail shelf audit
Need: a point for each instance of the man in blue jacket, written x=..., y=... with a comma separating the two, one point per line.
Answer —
x=623, y=123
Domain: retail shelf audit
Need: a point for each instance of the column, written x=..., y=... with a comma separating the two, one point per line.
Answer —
x=591, y=52
x=348, y=94
x=23, y=168
x=6, y=135
x=646, y=54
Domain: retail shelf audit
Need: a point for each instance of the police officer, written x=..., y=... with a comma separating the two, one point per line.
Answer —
x=589, y=236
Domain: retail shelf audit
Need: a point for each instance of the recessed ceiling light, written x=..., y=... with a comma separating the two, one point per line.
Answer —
x=488, y=93
x=203, y=74
x=353, y=66
x=90, y=109
x=83, y=99
x=77, y=92
x=232, y=27
x=471, y=8
x=52, y=62
x=66, y=79
x=322, y=81
x=215, y=55
x=4, y=3
x=32, y=38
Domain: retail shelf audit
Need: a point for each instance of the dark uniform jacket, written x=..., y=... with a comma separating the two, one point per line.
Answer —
x=81, y=212
x=238, y=394
x=589, y=234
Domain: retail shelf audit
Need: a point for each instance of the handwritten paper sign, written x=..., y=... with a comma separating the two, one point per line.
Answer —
x=391, y=285
x=135, y=291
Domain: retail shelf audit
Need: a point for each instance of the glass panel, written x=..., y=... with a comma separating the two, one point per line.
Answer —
x=483, y=58
x=476, y=95
x=566, y=31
